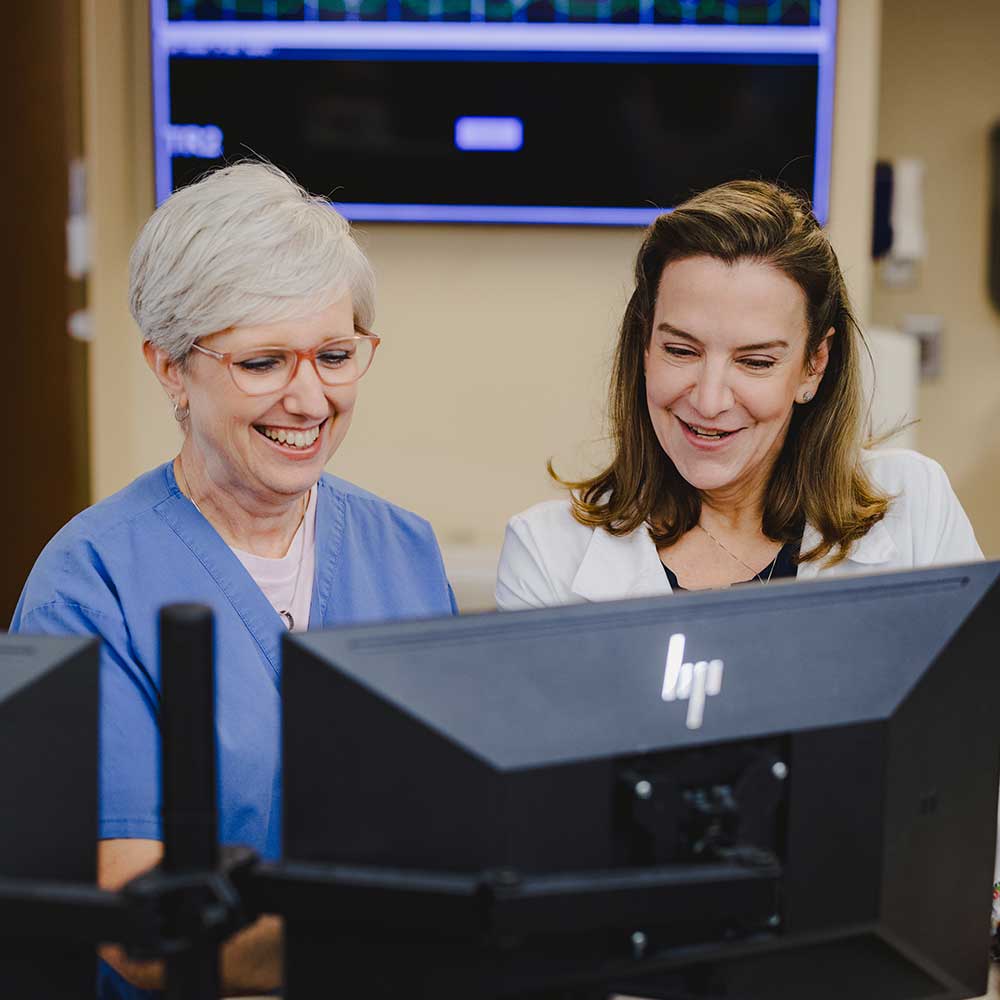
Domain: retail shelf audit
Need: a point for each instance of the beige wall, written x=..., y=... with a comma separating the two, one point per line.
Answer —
x=940, y=96
x=127, y=430
x=497, y=339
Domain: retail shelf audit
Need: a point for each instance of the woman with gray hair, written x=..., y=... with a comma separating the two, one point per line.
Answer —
x=254, y=304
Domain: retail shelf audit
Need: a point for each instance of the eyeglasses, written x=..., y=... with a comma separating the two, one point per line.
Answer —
x=263, y=370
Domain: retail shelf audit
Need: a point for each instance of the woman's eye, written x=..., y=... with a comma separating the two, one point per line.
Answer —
x=757, y=364
x=261, y=365
x=679, y=352
x=333, y=359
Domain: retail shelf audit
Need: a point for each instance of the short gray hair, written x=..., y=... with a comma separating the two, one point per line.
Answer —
x=244, y=245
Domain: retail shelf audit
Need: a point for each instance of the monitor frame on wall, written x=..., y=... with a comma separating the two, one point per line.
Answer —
x=478, y=42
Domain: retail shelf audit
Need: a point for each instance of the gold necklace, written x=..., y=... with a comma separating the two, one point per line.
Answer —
x=733, y=555
x=286, y=615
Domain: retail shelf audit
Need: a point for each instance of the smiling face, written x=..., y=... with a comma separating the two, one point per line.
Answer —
x=239, y=437
x=724, y=367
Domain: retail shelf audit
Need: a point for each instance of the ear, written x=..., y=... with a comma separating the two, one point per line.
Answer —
x=815, y=367
x=167, y=374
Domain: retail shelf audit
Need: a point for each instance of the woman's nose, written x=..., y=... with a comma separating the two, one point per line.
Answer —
x=711, y=394
x=306, y=394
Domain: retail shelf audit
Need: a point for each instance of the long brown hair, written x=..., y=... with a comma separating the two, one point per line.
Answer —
x=817, y=477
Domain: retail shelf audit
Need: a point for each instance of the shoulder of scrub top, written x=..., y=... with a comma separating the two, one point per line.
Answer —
x=71, y=561
x=362, y=503
x=385, y=528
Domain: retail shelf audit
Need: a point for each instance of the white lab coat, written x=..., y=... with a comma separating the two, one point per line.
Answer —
x=549, y=558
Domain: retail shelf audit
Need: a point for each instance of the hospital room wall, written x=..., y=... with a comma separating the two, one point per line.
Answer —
x=497, y=339
x=939, y=98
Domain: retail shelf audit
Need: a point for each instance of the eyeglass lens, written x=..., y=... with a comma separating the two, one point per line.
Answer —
x=268, y=369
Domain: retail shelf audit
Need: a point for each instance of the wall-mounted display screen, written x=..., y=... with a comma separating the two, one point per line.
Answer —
x=523, y=111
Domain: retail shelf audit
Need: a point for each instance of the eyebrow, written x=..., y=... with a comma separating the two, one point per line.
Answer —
x=767, y=345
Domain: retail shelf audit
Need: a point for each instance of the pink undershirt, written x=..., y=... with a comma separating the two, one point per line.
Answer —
x=277, y=577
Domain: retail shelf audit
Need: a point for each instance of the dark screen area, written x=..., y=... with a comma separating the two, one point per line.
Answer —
x=606, y=134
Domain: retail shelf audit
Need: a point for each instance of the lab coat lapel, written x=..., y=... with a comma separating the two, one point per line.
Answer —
x=231, y=577
x=875, y=550
x=616, y=567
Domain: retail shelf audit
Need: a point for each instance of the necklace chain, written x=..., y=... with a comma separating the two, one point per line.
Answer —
x=733, y=555
x=285, y=615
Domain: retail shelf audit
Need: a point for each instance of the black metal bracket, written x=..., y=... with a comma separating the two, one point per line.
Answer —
x=505, y=933
x=503, y=902
x=187, y=909
x=156, y=915
x=34, y=909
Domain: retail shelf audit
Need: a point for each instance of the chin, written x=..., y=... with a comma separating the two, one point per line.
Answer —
x=296, y=478
x=704, y=483
x=699, y=476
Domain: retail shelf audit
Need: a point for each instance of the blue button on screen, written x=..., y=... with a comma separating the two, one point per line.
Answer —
x=493, y=135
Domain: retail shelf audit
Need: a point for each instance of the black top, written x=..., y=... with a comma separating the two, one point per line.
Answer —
x=784, y=566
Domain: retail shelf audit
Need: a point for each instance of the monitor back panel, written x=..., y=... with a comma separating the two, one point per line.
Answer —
x=504, y=741
x=48, y=797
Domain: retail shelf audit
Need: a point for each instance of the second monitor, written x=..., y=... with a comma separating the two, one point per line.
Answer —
x=805, y=776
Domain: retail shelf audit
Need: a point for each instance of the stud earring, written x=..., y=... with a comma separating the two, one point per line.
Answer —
x=806, y=396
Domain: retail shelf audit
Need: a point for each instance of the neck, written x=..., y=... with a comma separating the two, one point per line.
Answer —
x=735, y=511
x=739, y=507
x=246, y=519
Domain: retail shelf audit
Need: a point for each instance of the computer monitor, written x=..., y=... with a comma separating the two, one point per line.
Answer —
x=48, y=798
x=834, y=741
x=583, y=112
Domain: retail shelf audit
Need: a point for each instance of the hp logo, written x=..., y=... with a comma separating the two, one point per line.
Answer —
x=690, y=681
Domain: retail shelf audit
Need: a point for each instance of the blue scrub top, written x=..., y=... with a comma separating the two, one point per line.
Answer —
x=112, y=568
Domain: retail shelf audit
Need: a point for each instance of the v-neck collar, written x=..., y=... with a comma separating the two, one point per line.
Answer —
x=331, y=516
x=255, y=611
x=620, y=566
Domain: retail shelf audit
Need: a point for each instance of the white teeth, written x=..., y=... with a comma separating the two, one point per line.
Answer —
x=296, y=439
x=707, y=434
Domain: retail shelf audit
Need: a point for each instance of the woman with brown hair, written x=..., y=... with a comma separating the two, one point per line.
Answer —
x=738, y=426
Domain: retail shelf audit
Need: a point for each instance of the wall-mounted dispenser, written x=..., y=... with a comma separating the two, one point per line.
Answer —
x=899, y=236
